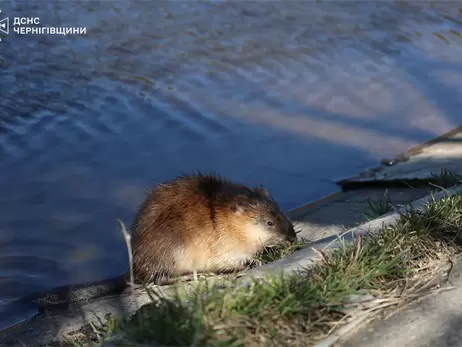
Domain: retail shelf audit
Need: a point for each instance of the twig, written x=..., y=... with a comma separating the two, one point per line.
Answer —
x=128, y=243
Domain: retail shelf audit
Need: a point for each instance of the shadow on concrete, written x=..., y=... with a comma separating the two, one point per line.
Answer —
x=451, y=334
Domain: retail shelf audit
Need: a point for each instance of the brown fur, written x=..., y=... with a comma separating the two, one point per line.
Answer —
x=203, y=223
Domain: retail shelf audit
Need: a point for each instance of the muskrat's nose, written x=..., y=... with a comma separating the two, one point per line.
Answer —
x=291, y=238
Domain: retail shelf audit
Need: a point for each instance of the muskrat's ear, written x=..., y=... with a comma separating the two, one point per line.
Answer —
x=262, y=190
x=238, y=207
x=241, y=204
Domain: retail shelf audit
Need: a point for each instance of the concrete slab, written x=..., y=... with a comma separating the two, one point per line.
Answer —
x=418, y=163
x=345, y=210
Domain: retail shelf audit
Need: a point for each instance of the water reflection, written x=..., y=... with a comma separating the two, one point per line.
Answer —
x=293, y=95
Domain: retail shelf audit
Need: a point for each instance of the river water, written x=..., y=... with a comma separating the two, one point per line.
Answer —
x=293, y=95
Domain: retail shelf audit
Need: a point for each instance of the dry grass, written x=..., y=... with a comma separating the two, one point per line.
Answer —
x=348, y=285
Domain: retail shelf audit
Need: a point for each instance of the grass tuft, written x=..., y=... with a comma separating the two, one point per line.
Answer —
x=379, y=207
x=446, y=178
x=271, y=254
x=373, y=273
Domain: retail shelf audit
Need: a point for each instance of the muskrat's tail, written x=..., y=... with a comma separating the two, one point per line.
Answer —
x=67, y=294
x=18, y=310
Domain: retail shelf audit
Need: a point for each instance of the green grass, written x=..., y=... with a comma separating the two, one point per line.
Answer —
x=379, y=206
x=383, y=204
x=270, y=254
x=298, y=310
x=446, y=178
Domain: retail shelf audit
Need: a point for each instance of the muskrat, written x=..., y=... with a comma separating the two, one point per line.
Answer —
x=194, y=223
x=204, y=223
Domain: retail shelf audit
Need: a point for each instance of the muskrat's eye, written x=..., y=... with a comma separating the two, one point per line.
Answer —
x=269, y=223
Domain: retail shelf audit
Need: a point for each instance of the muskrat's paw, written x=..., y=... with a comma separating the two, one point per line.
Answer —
x=254, y=263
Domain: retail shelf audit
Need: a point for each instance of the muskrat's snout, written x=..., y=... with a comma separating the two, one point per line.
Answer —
x=283, y=230
x=291, y=238
x=289, y=233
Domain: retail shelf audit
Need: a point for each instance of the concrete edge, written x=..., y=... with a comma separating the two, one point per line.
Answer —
x=303, y=209
x=419, y=148
x=351, y=182
x=372, y=182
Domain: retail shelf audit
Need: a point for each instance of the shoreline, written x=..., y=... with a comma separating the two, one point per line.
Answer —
x=127, y=302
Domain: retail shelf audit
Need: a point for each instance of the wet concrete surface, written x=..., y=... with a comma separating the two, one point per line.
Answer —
x=441, y=158
x=292, y=95
x=346, y=210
